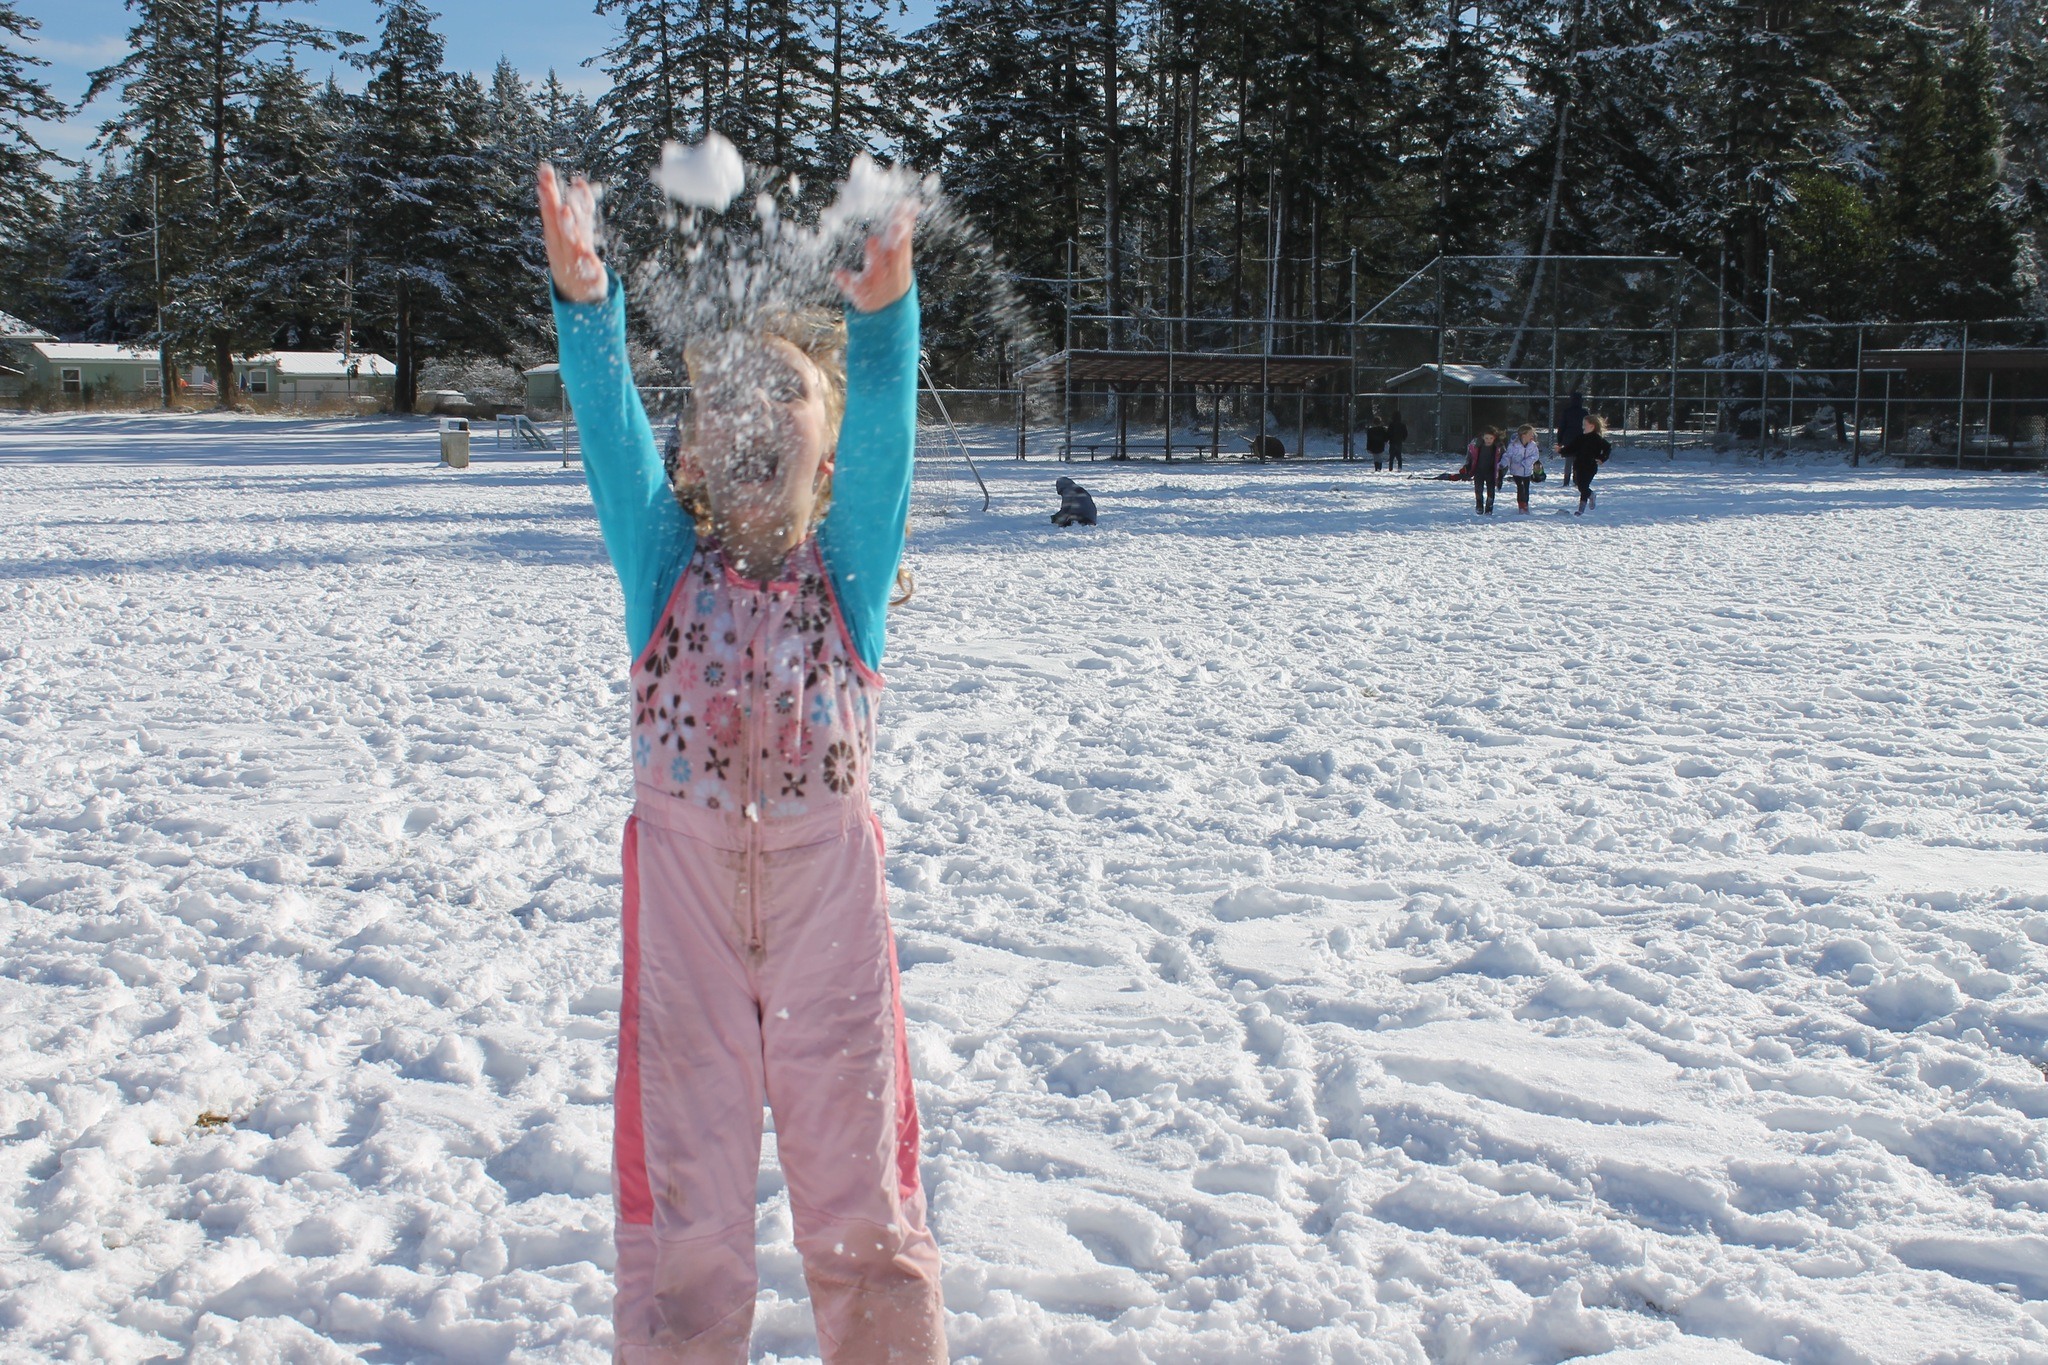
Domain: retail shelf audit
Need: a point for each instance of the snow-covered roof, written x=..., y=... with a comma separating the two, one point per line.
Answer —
x=77, y=352
x=549, y=368
x=1471, y=376
x=13, y=328
x=325, y=364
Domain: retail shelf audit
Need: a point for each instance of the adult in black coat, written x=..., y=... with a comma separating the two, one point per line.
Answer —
x=1586, y=452
x=1397, y=434
x=1076, y=507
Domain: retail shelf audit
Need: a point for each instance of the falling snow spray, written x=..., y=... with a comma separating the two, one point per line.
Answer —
x=741, y=246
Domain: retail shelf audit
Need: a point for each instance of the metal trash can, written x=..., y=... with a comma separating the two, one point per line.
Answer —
x=455, y=442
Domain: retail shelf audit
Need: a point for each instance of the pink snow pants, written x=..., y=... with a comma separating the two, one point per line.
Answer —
x=760, y=966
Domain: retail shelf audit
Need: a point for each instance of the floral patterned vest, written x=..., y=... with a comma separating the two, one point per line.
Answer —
x=749, y=698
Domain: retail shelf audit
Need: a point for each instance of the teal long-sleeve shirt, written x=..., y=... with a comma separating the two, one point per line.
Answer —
x=645, y=531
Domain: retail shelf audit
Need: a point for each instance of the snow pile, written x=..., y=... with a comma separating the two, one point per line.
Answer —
x=1334, y=927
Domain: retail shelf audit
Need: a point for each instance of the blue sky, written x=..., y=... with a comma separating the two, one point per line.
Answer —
x=79, y=36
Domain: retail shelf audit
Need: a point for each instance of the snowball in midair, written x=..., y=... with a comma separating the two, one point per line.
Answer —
x=705, y=176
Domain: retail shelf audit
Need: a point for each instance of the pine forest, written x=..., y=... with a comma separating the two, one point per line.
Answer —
x=1886, y=159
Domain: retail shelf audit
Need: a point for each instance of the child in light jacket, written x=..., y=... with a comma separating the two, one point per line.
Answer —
x=1522, y=456
x=759, y=961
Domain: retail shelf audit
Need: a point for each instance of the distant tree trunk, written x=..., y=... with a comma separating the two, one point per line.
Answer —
x=222, y=345
x=838, y=75
x=777, y=149
x=1561, y=117
x=711, y=68
x=1070, y=144
x=224, y=367
x=406, y=381
x=1171, y=100
x=1112, y=118
x=1454, y=48
x=1237, y=300
x=1187, y=213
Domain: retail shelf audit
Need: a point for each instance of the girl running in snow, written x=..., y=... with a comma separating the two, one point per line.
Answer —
x=759, y=963
x=1584, y=454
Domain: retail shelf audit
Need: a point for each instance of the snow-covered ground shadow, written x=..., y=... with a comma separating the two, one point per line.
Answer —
x=1334, y=927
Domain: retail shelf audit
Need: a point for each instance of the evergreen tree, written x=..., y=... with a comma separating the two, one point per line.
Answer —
x=492, y=233
x=290, y=240
x=1767, y=88
x=668, y=72
x=2021, y=45
x=1954, y=248
x=570, y=134
x=162, y=90
x=187, y=84
x=867, y=99
x=27, y=194
x=407, y=178
x=101, y=223
x=1459, y=118
x=1832, y=252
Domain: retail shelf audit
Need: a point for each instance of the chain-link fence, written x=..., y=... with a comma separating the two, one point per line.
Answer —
x=1662, y=354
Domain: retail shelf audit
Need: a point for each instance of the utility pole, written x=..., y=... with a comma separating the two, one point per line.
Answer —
x=166, y=377
x=348, y=314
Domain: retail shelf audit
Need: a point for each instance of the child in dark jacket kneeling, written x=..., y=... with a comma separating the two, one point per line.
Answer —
x=1076, y=507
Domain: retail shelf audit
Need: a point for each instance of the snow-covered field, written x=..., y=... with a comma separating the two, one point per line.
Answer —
x=1334, y=928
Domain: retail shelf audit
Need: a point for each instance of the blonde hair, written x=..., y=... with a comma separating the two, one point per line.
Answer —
x=1599, y=422
x=1525, y=431
x=819, y=335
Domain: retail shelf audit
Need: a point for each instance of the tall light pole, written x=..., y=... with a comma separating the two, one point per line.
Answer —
x=165, y=378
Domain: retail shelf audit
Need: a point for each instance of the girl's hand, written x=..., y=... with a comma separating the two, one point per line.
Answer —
x=885, y=277
x=568, y=220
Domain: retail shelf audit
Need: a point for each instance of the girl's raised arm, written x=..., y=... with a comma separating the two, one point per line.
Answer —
x=644, y=529
x=862, y=537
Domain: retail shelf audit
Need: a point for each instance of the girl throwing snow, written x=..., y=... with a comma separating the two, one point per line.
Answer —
x=759, y=963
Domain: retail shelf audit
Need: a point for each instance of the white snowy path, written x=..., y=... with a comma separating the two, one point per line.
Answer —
x=1334, y=928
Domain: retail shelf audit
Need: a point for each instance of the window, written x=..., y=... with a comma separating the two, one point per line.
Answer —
x=152, y=380
x=259, y=381
x=73, y=381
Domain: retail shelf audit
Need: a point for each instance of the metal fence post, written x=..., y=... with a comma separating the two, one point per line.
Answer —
x=1884, y=430
x=1556, y=273
x=1437, y=442
x=1671, y=410
x=1962, y=395
x=1763, y=417
x=1856, y=423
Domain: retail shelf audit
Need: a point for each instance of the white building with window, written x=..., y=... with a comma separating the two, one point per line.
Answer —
x=295, y=378
x=34, y=366
x=16, y=337
x=85, y=371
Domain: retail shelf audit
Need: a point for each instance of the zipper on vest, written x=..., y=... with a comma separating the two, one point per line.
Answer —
x=753, y=874
x=750, y=771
